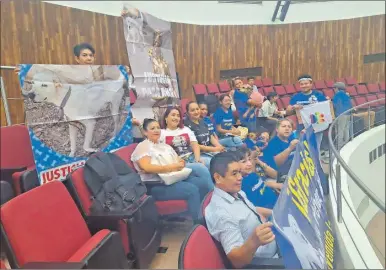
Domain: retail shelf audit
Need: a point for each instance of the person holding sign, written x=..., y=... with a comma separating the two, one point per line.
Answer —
x=232, y=219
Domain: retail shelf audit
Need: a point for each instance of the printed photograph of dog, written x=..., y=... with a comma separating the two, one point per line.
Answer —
x=75, y=110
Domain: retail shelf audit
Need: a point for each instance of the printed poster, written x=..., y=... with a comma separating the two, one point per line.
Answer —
x=305, y=237
x=72, y=112
x=149, y=46
x=318, y=115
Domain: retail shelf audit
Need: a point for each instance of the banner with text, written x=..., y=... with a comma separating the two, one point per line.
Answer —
x=73, y=111
x=149, y=46
x=305, y=236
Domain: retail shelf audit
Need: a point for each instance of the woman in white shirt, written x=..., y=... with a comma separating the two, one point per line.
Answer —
x=184, y=142
x=147, y=151
x=268, y=112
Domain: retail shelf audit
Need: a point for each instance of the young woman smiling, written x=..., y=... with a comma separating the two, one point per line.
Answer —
x=184, y=142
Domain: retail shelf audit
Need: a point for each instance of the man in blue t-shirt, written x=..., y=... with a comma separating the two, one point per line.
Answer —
x=280, y=149
x=307, y=96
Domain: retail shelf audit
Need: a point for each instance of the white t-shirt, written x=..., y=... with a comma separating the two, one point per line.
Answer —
x=267, y=109
x=179, y=139
x=152, y=150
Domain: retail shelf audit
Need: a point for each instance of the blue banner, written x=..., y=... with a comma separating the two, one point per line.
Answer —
x=303, y=230
x=72, y=112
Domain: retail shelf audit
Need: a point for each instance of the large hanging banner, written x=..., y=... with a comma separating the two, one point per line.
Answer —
x=72, y=112
x=149, y=46
x=305, y=237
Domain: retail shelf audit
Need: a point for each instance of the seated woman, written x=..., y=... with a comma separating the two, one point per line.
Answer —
x=142, y=156
x=183, y=141
x=209, y=144
x=224, y=121
x=280, y=150
x=204, y=116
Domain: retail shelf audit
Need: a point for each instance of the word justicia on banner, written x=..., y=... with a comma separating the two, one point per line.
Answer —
x=305, y=236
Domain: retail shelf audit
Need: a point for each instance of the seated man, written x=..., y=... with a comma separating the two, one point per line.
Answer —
x=232, y=219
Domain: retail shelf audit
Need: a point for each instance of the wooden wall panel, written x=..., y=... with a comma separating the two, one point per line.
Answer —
x=43, y=33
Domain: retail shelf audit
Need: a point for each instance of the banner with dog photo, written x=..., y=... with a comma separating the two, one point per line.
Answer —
x=149, y=46
x=73, y=111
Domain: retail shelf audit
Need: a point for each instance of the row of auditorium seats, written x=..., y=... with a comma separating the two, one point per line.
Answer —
x=266, y=85
x=15, y=147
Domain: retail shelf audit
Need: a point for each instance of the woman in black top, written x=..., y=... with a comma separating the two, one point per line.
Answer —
x=208, y=143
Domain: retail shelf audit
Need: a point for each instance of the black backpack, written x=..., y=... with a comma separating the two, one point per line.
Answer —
x=114, y=186
x=212, y=102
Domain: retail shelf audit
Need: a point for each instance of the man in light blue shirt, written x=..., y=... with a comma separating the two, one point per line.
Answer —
x=232, y=219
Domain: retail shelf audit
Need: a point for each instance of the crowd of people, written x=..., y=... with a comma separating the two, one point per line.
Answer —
x=239, y=161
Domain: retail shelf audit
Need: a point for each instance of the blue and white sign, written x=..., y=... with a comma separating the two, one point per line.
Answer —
x=72, y=112
x=304, y=233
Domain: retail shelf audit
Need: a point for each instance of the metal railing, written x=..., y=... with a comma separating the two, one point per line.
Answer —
x=336, y=143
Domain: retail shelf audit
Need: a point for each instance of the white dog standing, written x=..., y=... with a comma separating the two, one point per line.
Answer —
x=81, y=103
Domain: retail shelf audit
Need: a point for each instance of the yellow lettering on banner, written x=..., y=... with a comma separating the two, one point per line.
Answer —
x=304, y=178
x=309, y=160
x=298, y=197
x=329, y=247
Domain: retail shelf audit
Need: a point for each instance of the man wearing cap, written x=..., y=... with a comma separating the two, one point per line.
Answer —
x=268, y=112
x=342, y=103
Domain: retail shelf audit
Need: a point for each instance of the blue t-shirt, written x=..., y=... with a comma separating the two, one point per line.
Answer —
x=225, y=119
x=209, y=123
x=241, y=100
x=250, y=144
x=342, y=102
x=303, y=99
x=257, y=192
x=275, y=147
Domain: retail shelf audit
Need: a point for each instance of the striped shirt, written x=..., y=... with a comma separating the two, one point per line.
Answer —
x=231, y=222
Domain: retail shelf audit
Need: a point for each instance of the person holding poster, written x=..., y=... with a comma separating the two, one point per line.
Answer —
x=305, y=236
x=232, y=219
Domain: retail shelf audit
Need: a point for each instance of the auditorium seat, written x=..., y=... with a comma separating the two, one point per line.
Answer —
x=258, y=83
x=279, y=104
x=329, y=83
x=382, y=87
x=224, y=87
x=2, y=265
x=183, y=103
x=320, y=84
x=351, y=90
x=351, y=81
x=6, y=192
x=49, y=228
x=362, y=89
x=294, y=120
x=141, y=248
x=328, y=92
x=379, y=96
x=164, y=208
x=290, y=89
x=297, y=87
x=16, y=154
x=212, y=88
x=359, y=100
x=267, y=90
x=372, y=98
x=267, y=82
x=199, y=91
x=373, y=88
x=280, y=90
x=285, y=100
x=199, y=251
